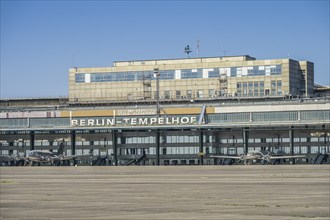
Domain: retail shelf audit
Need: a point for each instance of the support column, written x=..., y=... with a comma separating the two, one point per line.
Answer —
x=246, y=140
x=73, y=145
x=201, y=141
x=217, y=145
x=291, y=137
x=217, y=142
x=157, y=148
x=114, y=147
x=32, y=140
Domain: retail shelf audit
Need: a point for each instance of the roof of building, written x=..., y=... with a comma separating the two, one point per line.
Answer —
x=182, y=60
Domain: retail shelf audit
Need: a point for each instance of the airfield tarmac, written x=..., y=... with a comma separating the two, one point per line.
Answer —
x=166, y=192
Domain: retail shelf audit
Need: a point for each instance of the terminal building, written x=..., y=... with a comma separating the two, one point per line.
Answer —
x=177, y=112
x=194, y=78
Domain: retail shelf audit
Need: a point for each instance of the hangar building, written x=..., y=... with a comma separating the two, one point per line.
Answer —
x=177, y=111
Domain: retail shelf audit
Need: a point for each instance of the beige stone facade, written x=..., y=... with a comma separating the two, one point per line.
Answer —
x=191, y=79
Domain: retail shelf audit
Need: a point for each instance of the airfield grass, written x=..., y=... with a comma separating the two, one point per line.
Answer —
x=166, y=192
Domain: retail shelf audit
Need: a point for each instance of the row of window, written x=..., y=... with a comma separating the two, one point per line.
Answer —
x=317, y=115
x=189, y=94
x=256, y=88
x=256, y=71
x=277, y=150
x=176, y=139
x=179, y=74
x=189, y=150
x=179, y=150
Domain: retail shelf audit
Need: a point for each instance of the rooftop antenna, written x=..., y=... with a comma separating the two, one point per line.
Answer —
x=224, y=52
x=197, y=48
x=187, y=50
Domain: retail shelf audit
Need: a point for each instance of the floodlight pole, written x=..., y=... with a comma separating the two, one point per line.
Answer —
x=157, y=74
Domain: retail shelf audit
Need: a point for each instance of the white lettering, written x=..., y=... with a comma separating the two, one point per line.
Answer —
x=160, y=121
x=110, y=121
x=74, y=123
x=143, y=121
x=184, y=120
x=153, y=120
x=133, y=121
x=90, y=122
x=126, y=120
x=82, y=122
x=98, y=122
x=175, y=120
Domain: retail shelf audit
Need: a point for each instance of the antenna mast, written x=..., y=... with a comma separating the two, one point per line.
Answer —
x=187, y=50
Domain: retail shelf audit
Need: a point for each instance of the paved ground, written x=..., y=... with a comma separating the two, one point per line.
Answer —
x=176, y=192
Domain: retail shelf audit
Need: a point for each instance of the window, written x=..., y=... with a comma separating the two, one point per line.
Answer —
x=191, y=73
x=214, y=73
x=185, y=74
x=279, y=87
x=200, y=94
x=255, y=71
x=250, y=88
x=261, y=88
x=80, y=77
x=211, y=93
x=126, y=76
x=164, y=151
x=275, y=116
x=239, y=89
x=244, y=88
x=233, y=71
x=256, y=89
x=178, y=94
x=189, y=94
x=273, y=87
x=239, y=71
x=167, y=74
x=261, y=70
x=278, y=70
x=167, y=94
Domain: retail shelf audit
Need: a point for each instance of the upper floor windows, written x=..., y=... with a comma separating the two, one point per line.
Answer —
x=214, y=73
x=179, y=74
x=255, y=71
x=191, y=73
x=80, y=77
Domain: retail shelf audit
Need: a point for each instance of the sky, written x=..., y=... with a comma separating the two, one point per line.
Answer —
x=41, y=40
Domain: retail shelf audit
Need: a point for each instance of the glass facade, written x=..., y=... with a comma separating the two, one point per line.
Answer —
x=214, y=73
x=274, y=116
x=191, y=73
x=123, y=76
x=256, y=88
x=184, y=74
x=80, y=77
